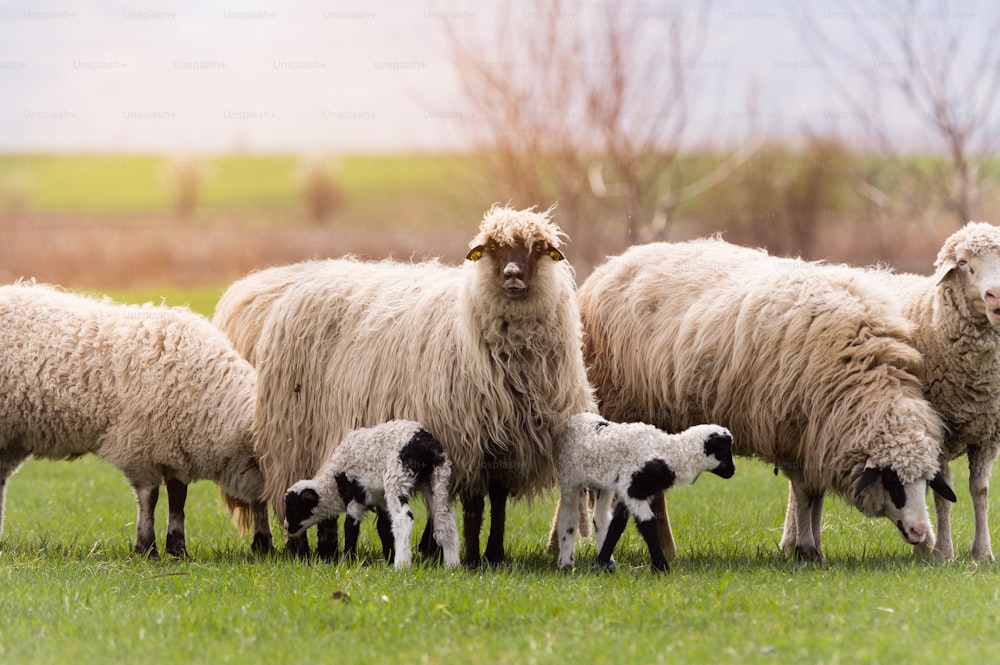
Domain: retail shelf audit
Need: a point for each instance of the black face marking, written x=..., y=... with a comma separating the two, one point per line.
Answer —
x=720, y=446
x=893, y=485
x=421, y=455
x=350, y=490
x=868, y=476
x=940, y=485
x=654, y=476
x=299, y=507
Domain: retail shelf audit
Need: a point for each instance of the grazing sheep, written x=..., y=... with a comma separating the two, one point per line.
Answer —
x=157, y=392
x=380, y=465
x=635, y=462
x=957, y=317
x=809, y=366
x=486, y=355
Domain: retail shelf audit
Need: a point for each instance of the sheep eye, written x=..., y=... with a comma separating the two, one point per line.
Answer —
x=555, y=254
x=474, y=254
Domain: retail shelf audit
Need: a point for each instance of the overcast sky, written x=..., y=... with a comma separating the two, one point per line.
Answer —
x=337, y=76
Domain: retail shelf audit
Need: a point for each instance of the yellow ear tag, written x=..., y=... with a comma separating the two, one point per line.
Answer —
x=555, y=254
x=474, y=254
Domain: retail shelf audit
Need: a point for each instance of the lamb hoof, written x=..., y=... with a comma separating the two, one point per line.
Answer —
x=606, y=566
x=262, y=544
x=148, y=551
x=803, y=553
x=661, y=567
x=298, y=547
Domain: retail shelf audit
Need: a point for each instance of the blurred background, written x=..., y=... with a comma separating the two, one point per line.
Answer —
x=145, y=145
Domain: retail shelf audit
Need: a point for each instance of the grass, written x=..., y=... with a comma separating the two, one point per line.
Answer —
x=73, y=591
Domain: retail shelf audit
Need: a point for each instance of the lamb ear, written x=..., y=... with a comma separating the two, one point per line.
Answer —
x=475, y=253
x=869, y=476
x=944, y=270
x=940, y=485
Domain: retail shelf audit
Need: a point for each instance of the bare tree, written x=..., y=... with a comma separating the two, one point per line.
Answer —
x=588, y=106
x=935, y=63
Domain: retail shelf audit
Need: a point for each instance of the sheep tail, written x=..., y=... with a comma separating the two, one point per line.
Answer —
x=240, y=512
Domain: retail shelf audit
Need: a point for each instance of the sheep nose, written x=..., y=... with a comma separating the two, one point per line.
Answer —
x=513, y=270
x=917, y=534
x=993, y=295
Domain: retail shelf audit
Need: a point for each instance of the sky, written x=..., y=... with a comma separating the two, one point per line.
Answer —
x=348, y=76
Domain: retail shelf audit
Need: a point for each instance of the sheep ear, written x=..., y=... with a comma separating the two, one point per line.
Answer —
x=475, y=253
x=940, y=485
x=554, y=254
x=869, y=476
x=944, y=270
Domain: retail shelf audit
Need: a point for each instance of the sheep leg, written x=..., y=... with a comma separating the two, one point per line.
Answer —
x=352, y=530
x=402, y=527
x=262, y=541
x=298, y=546
x=326, y=540
x=145, y=534
x=441, y=519
x=943, y=549
x=789, y=533
x=980, y=466
x=650, y=533
x=430, y=546
x=472, y=524
x=566, y=524
x=498, y=518
x=384, y=525
x=605, y=557
x=667, y=544
x=603, y=500
x=176, y=498
x=806, y=511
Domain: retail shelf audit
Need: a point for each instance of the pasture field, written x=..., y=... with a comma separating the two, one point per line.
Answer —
x=71, y=590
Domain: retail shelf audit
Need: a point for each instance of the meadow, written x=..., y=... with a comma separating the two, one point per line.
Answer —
x=73, y=591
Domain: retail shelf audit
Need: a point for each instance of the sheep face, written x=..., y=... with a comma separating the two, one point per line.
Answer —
x=301, y=503
x=881, y=493
x=719, y=446
x=514, y=266
x=971, y=257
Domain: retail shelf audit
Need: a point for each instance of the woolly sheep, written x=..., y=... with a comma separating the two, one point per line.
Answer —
x=634, y=461
x=809, y=366
x=957, y=317
x=157, y=392
x=486, y=355
x=380, y=465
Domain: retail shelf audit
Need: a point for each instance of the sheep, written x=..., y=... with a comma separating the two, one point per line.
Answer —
x=810, y=366
x=487, y=355
x=634, y=461
x=380, y=465
x=956, y=313
x=157, y=392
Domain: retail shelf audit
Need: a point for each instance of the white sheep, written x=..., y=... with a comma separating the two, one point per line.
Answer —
x=957, y=317
x=810, y=367
x=486, y=355
x=635, y=462
x=381, y=466
x=157, y=392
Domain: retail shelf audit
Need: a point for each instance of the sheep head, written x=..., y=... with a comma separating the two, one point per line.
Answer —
x=903, y=504
x=514, y=242
x=970, y=260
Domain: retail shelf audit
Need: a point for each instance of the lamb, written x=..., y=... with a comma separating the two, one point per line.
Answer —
x=810, y=366
x=486, y=355
x=157, y=392
x=956, y=313
x=635, y=462
x=380, y=465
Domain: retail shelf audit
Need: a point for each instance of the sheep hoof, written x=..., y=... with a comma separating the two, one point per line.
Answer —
x=298, y=547
x=472, y=562
x=148, y=551
x=804, y=553
x=261, y=544
x=176, y=547
x=607, y=566
x=661, y=567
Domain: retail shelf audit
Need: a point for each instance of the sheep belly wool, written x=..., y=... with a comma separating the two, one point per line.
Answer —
x=157, y=392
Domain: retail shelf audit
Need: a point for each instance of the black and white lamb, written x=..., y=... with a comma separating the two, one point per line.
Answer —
x=635, y=462
x=379, y=466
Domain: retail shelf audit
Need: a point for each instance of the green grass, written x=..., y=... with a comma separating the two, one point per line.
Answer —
x=72, y=591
